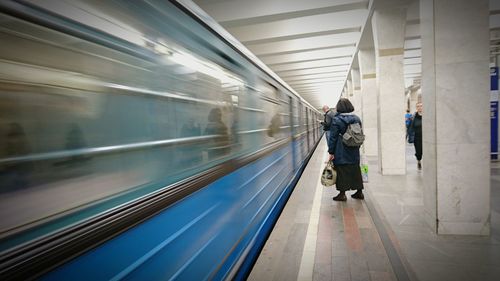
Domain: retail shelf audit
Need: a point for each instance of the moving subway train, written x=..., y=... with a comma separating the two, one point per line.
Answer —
x=139, y=141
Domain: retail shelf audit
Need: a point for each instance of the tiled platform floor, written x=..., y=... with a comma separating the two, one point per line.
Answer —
x=382, y=238
x=431, y=256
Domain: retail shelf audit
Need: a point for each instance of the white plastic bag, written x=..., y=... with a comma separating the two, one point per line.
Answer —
x=329, y=175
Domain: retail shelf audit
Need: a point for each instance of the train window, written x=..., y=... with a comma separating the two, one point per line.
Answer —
x=116, y=108
x=110, y=114
x=259, y=117
x=295, y=116
x=86, y=126
x=301, y=117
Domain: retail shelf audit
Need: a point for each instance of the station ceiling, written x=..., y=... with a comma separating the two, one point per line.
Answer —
x=312, y=45
x=309, y=44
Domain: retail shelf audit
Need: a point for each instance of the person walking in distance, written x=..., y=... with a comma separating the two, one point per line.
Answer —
x=345, y=158
x=327, y=121
x=408, y=117
x=416, y=130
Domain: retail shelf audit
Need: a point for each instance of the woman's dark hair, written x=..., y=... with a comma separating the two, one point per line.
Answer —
x=344, y=106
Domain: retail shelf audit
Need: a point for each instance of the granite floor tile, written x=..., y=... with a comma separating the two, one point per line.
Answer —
x=349, y=246
x=340, y=268
x=382, y=276
x=434, y=271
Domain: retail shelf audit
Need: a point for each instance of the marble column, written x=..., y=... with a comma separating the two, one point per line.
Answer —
x=389, y=33
x=350, y=92
x=456, y=124
x=369, y=101
x=414, y=100
x=356, y=88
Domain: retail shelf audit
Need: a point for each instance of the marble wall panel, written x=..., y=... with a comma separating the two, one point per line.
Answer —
x=463, y=188
x=391, y=111
x=389, y=28
x=461, y=27
x=455, y=95
x=370, y=124
x=462, y=95
x=393, y=163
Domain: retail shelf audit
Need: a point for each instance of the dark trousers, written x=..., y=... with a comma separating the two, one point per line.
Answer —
x=418, y=147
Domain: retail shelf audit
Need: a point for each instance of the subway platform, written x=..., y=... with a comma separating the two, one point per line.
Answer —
x=383, y=237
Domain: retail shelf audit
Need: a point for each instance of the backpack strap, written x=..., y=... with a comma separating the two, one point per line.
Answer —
x=347, y=124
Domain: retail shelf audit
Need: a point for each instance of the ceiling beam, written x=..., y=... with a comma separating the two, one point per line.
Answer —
x=300, y=35
x=310, y=26
x=294, y=14
x=293, y=67
x=311, y=64
x=315, y=81
x=304, y=50
x=229, y=10
x=316, y=76
x=329, y=53
x=317, y=71
x=305, y=43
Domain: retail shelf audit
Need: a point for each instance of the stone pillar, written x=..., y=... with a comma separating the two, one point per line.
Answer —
x=389, y=33
x=349, y=88
x=369, y=101
x=455, y=95
x=414, y=100
x=356, y=87
x=407, y=99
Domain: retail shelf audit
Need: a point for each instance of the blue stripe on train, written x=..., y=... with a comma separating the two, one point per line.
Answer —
x=204, y=236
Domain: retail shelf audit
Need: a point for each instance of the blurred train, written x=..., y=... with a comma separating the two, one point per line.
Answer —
x=139, y=141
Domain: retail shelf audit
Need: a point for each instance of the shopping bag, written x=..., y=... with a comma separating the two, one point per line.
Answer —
x=364, y=168
x=329, y=176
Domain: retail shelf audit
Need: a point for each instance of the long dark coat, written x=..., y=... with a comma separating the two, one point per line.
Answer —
x=343, y=154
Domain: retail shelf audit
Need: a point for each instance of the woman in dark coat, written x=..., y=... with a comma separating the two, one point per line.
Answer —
x=345, y=158
x=416, y=130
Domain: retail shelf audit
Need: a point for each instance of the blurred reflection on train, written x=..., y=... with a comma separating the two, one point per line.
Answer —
x=110, y=105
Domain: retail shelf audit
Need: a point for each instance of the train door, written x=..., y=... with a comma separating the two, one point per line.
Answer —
x=307, y=129
x=313, y=126
x=311, y=118
x=300, y=123
x=292, y=131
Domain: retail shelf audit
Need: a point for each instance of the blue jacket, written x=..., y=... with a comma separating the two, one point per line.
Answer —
x=343, y=154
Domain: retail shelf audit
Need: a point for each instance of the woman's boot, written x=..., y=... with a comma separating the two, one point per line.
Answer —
x=358, y=195
x=340, y=197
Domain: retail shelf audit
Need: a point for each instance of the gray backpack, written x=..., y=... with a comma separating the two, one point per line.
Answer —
x=353, y=136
